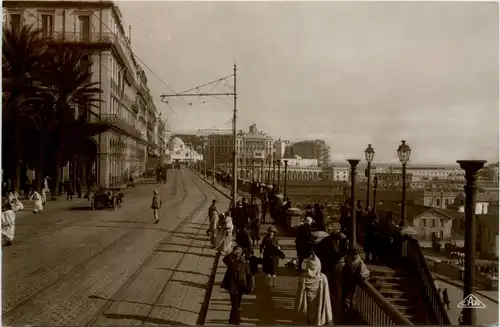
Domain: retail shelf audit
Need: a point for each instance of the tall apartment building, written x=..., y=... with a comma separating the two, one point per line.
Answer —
x=317, y=149
x=254, y=150
x=97, y=28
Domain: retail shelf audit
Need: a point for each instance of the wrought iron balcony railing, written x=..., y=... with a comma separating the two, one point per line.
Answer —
x=121, y=124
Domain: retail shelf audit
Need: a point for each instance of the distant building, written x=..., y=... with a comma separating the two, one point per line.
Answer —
x=317, y=149
x=179, y=152
x=436, y=198
x=393, y=180
x=483, y=202
x=429, y=172
x=428, y=222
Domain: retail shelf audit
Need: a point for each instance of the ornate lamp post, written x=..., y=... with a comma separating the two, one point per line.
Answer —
x=471, y=168
x=353, y=163
x=375, y=186
x=278, y=162
x=286, y=176
x=369, y=154
x=404, y=152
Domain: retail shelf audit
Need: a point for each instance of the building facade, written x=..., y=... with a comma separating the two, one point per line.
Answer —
x=393, y=180
x=429, y=172
x=317, y=149
x=98, y=29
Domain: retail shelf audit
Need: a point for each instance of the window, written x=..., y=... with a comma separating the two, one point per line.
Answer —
x=424, y=222
x=84, y=24
x=434, y=223
x=15, y=21
x=47, y=25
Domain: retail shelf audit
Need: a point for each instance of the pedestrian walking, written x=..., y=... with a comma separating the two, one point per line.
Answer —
x=69, y=190
x=213, y=217
x=37, y=201
x=156, y=205
x=304, y=242
x=237, y=281
x=244, y=241
x=271, y=253
x=313, y=294
x=319, y=218
x=16, y=204
x=264, y=203
x=352, y=273
x=225, y=228
x=8, y=225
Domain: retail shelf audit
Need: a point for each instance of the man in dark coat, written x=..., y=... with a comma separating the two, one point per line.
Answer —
x=264, y=207
x=240, y=217
x=319, y=218
x=329, y=252
x=304, y=242
x=236, y=282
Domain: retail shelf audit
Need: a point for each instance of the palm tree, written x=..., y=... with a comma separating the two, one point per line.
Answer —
x=73, y=95
x=21, y=53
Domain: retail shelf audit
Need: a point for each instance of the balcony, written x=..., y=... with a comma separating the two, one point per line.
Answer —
x=98, y=40
x=122, y=125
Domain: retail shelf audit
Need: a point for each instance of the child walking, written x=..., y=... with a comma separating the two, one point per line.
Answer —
x=156, y=205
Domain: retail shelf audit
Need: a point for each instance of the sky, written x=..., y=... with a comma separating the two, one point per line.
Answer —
x=351, y=73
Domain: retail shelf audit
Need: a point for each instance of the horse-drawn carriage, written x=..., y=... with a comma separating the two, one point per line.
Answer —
x=103, y=199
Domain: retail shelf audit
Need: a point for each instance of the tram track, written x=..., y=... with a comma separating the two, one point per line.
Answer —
x=23, y=287
x=39, y=308
x=163, y=243
x=88, y=222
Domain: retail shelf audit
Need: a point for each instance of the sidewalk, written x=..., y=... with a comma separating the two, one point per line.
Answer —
x=63, y=204
x=266, y=305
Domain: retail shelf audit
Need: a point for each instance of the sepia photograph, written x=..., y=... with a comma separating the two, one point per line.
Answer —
x=250, y=163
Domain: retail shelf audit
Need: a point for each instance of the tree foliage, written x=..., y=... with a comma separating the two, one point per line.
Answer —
x=48, y=96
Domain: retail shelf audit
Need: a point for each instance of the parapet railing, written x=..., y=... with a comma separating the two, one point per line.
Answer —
x=411, y=249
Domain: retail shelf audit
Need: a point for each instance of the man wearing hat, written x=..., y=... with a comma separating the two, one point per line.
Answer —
x=304, y=241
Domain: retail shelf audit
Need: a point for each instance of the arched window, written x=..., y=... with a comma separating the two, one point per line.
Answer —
x=310, y=175
x=315, y=176
x=289, y=175
x=294, y=175
x=300, y=175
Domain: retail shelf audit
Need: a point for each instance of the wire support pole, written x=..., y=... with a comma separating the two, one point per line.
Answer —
x=235, y=178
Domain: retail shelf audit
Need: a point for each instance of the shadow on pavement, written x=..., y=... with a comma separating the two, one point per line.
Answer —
x=191, y=246
x=95, y=297
x=125, y=221
x=192, y=284
x=82, y=208
x=191, y=238
x=285, y=271
x=191, y=253
x=143, y=318
x=185, y=272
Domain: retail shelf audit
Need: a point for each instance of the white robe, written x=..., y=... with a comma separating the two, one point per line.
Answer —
x=17, y=205
x=225, y=235
x=37, y=201
x=8, y=224
x=313, y=294
x=212, y=228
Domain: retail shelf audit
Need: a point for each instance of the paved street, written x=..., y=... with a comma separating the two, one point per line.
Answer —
x=79, y=267
x=485, y=316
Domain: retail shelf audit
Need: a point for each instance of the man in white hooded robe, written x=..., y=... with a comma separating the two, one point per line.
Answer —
x=313, y=294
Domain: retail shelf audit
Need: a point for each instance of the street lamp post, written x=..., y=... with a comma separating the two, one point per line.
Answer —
x=471, y=168
x=353, y=163
x=404, y=152
x=279, y=174
x=286, y=177
x=369, y=154
x=375, y=186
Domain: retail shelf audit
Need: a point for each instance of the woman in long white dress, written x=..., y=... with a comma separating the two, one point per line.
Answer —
x=224, y=233
x=17, y=205
x=37, y=201
x=8, y=225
